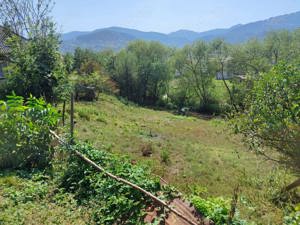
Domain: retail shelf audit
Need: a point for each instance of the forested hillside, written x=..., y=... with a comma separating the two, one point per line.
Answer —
x=117, y=37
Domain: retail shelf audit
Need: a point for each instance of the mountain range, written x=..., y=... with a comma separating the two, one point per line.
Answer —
x=118, y=37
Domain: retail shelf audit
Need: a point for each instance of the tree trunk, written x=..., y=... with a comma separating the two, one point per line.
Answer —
x=293, y=185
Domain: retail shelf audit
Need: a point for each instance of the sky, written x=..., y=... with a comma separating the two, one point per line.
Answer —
x=165, y=15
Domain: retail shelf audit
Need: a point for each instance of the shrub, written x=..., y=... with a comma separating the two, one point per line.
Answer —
x=88, y=86
x=293, y=217
x=211, y=108
x=216, y=209
x=113, y=202
x=25, y=137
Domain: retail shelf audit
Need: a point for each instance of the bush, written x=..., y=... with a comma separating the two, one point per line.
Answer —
x=212, y=108
x=113, y=202
x=87, y=87
x=216, y=209
x=25, y=137
x=293, y=217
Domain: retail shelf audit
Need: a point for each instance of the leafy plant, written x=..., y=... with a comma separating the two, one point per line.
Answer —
x=216, y=209
x=27, y=196
x=165, y=156
x=25, y=138
x=271, y=119
x=293, y=218
x=113, y=202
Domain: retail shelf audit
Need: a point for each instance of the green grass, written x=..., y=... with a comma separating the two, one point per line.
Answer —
x=202, y=155
x=27, y=199
x=197, y=156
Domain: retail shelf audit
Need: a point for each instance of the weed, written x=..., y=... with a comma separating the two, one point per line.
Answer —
x=165, y=156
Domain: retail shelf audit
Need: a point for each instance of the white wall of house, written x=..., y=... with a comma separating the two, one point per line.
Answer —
x=225, y=74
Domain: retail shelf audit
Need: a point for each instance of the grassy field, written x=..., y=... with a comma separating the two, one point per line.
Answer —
x=194, y=155
x=197, y=156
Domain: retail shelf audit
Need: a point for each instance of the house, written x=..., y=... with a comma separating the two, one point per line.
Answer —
x=4, y=50
x=5, y=33
x=226, y=76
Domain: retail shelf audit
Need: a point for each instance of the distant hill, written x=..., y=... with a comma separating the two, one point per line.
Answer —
x=117, y=37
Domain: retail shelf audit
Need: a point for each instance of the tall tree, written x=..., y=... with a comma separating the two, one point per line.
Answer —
x=125, y=74
x=145, y=71
x=192, y=62
x=221, y=54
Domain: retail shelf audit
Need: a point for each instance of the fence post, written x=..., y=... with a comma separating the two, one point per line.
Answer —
x=64, y=112
x=72, y=119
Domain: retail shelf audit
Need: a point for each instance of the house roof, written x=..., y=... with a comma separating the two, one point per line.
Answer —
x=4, y=34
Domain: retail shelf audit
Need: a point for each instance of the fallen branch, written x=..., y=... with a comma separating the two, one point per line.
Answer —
x=101, y=169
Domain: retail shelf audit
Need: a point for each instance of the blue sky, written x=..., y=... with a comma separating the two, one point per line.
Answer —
x=165, y=15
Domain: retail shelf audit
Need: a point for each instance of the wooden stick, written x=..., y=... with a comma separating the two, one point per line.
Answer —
x=101, y=169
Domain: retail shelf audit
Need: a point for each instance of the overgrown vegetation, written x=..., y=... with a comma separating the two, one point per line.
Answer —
x=34, y=198
x=216, y=209
x=113, y=201
x=272, y=114
x=258, y=89
x=25, y=132
x=204, y=159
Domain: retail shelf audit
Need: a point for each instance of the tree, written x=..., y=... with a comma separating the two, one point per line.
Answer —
x=278, y=46
x=221, y=54
x=142, y=72
x=248, y=58
x=192, y=62
x=272, y=115
x=125, y=74
x=68, y=62
x=35, y=66
x=246, y=62
x=26, y=18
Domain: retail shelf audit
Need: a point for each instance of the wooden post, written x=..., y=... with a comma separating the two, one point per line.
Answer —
x=64, y=112
x=72, y=120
